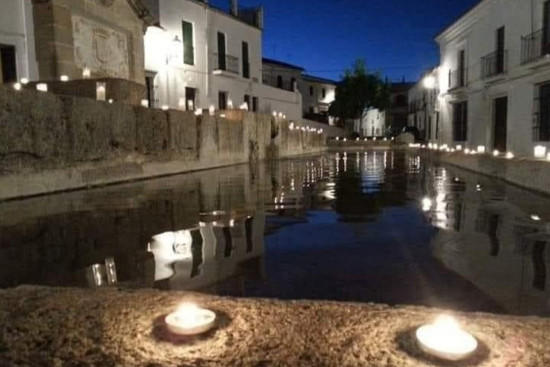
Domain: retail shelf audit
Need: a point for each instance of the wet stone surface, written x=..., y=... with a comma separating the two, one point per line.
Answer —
x=108, y=327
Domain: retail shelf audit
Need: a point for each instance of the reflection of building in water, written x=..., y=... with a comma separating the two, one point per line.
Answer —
x=215, y=250
x=501, y=250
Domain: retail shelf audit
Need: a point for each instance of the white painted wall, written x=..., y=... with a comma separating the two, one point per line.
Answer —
x=17, y=29
x=315, y=100
x=373, y=123
x=476, y=34
x=173, y=76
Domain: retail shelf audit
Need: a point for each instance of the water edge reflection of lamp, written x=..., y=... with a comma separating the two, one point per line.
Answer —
x=445, y=339
x=189, y=319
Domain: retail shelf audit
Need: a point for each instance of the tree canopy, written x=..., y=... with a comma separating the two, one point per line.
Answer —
x=357, y=91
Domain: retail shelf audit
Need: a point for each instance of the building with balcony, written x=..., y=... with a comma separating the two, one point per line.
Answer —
x=494, y=77
x=201, y=56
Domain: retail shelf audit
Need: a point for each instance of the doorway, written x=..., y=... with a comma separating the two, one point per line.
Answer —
x=8, y=64
x=500, y=123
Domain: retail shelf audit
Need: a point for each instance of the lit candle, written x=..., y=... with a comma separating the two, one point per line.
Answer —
x=211, y=110
x=291, y=126
x=459, y=147
x=496, y=153
x=445, y=339
x=280, y=114
x=64, y=78
x=540, y=151
x=509, y=155
x=144, y=103
x=42, y=87
x=198, y=112
x=466, y=151
x=189, y=319
x=86, y=73
x=374, y=139
x=100, y=91
x=320, y=131
x=230, y=104
x=17, y=86
x=181, y=103
x=535, y=217
x=337, y=138
x=164, y=107
x=481, y=149
x=24, y=81
x=244, y=106
x=274, y=113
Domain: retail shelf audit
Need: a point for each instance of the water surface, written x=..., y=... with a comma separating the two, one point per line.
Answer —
x=373, y=226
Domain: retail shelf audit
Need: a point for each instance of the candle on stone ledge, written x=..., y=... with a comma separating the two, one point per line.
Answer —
x=86, y=73
x=101, y=91
x=540, y=151
x=445, y=339
x=189, y=319
x=145, y=103
x=42, y=87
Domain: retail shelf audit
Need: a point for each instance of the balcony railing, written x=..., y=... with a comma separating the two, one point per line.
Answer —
x=494, y=64
x=534, y=46
x=458, y=78
x=226, y=63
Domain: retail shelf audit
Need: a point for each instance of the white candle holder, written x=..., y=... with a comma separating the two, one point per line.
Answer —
x=189, y=319
x=446, y=340
x=42, y=87
x=101, y=91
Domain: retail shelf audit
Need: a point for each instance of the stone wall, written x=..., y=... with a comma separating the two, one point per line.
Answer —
x=533, y=174
x=105, y=36
x=51, y=143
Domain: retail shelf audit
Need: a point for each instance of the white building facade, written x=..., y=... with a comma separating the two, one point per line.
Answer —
x=203, y=57
x=317, y=95
x=494, y=77
x=424, y=106
x=17, y=46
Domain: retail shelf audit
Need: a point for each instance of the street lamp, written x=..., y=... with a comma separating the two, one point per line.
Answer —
x=429, y=82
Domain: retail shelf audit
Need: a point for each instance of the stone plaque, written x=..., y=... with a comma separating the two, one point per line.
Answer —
x=100, y=48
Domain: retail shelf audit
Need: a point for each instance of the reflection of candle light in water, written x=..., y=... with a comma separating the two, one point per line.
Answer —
x=189, y=319
x=445, y=339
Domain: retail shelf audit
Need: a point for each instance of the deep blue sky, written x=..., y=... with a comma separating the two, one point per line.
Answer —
x=395, y=37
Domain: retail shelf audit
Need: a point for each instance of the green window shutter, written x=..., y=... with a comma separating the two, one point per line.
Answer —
x=188, y=50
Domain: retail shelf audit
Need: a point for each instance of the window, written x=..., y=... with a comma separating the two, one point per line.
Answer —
x=462, y=68
x=500, y=50
x=293, y=84
x=460, y=121
x=254, y=104
x=8, y=64
x=222, y=64
x=247, y=101
x=188, y=49
x=311, y=91
x=311, y=110
x=222, y=100
x=324, y=93
x=542, y=116
x=280, y=82
x=246, y=61
x=546, y=28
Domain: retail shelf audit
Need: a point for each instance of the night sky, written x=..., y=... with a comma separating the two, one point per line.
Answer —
x=395, y=37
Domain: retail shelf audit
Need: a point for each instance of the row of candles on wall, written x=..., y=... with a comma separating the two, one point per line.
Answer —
x=539, y=151
x=374, y=138
x=293, y=126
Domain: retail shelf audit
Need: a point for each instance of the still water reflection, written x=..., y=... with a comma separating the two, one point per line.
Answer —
x=374, y=226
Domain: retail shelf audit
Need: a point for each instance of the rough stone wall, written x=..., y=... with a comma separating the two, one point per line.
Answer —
x=111, y=28
x=53, y=143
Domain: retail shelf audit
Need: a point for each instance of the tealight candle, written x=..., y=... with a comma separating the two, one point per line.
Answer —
x=24, y=81
x=145, y=103
x=86, y=73
x=17, y=86
x=496, y=153
x=509, y=155
x=42, y=87
x=189, y=319
x=540, y=151
x=198, y=112
x=446, y=340
x=164, y=107
x=64, y=78
x=100, y=91
x=211, y=110
x=481, y=149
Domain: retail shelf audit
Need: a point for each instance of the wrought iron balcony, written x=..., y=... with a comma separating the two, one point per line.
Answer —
x=458, y=78
x=534, y=46
x=494, y=64
x=226, y=63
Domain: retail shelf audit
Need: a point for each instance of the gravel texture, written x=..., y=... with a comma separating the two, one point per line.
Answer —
x=108, y=327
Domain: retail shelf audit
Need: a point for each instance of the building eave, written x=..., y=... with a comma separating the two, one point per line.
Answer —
x=463, y=22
